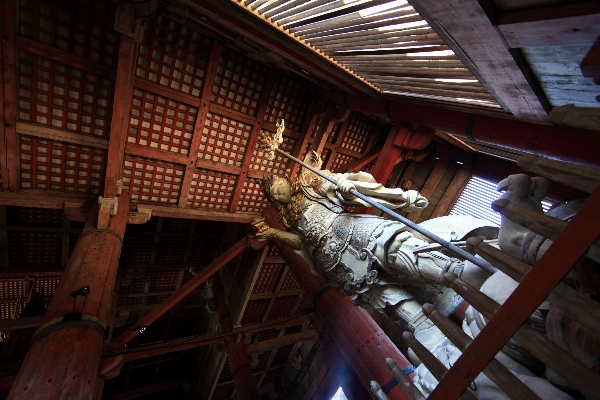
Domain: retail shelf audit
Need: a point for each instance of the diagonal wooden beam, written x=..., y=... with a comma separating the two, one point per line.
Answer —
x=251, y=144
x=389, y=155
x=128, y=50
x=573, y=242
x=8, y=99
x=466, y=28
x=209, y=82
x=458, y=184
x=359, y=163
x=186, y=289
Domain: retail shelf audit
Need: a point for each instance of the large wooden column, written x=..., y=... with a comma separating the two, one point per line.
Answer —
x=64, y=357
x=360, y=340
x=239, y=363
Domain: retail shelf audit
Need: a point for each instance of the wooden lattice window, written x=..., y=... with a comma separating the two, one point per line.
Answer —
x=173, y=55
x=54, y=165
x=252, y=198
x=238, y=83
x=51, y=93
x=211, y=189
x=278, y=165
x=358, y=133
x=83, y=28
x=152, y=180
x=287, y=101
x=161, y=123
x=224, y=140
x=268, y=278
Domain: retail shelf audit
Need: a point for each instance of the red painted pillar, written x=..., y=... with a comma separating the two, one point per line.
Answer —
x=239, y=363
x=360, y=340
x=63, y=361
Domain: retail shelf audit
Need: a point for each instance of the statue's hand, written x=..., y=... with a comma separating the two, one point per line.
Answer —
x=267, y=234
x=344, y=187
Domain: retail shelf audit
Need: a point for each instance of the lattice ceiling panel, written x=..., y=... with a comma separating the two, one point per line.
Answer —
x=223, y=392
x=340, y=160
x=289, y=282
x=268, y=278
x=224, y=140
x=161, y=123
x=66, y=167
x=281, y=307
x=252, y=198
x=288, y=101
x=278, y=165
x=55, y=94
x=34, y=248
x=173, y=55
x=152, y=180
x=163, y=281
x=358, y=133
x=25, y=216
x=171, y=250
x=255, y=310
x=211, y=189
x=83, y=28
x=239, y=82
x=136, y=249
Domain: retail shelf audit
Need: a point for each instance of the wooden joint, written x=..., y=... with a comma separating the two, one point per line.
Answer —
x=126, y=22
x=140, y=216
x=108, y=208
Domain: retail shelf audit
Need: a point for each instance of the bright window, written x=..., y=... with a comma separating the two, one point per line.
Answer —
x=339, y=395
x=475, y=200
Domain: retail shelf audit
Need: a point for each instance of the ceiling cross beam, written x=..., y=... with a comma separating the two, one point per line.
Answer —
x=466, y=28
x=252, y=139
x=203, y=109
x=128, y=50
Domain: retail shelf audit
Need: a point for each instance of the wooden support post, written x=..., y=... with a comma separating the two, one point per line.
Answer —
x=63, y=359
x=453, y=192
x=237, y=354
x=390, y=153
x=362, y=342
x=432, y=181
x=251, y=144
x=207, y=89
x=572, y=243
x=301, y=144
x=128, y=50
x=4, y=261
x=183, y=291
x=8, y=98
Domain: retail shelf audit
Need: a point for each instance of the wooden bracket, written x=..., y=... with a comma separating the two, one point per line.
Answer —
x=140, y=216
x=108, y=208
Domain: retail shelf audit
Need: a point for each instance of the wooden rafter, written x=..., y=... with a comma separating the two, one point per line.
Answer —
x=251, y=144
x=128, y=50
x=8, y=99
x=467, y=30
x=203, y=109
x=359, y=163
x=178, y=295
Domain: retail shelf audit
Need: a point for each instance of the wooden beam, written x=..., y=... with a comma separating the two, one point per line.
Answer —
x=63, y=57
x=186, y=289
x=579, y=234
x=4, y=261
x=171, y=346
x=389, y=155
x=453, y=192
x=149, y=152
x=202, y=104
x=165, y=91
x=359, y=163
x=147, y=390
x=20, y=323
x=237, y=20
x=9, y=165
x=64, y=135
x=465, y=27
x=432, y=182
x=259, y=347
x=252, y=139
x=301, y=144
x=248, y=280
x=554, y=25
x=128, y=50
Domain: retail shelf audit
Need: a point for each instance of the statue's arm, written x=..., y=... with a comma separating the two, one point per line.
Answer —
x=288, y=238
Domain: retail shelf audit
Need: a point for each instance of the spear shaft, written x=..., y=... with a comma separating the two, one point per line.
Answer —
x=481, y=263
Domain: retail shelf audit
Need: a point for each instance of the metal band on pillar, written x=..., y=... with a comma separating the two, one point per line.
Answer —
x=74, y=320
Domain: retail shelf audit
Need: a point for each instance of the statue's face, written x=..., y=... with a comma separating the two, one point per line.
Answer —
x=281, y=191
